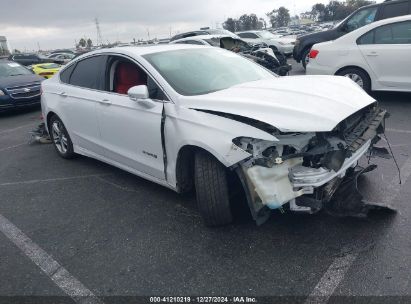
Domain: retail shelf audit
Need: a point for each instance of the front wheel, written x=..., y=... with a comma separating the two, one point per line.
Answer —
x=60, y=138
x=360, y=77
x=212, y=190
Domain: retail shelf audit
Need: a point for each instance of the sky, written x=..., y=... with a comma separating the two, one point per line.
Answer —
x=51, y=24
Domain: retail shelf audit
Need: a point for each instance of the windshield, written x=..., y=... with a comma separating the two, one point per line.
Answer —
x=201, y=71
x=8, y=69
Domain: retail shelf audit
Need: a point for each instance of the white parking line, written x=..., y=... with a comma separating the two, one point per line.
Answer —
x=337, y=270
x=331, y=279
x=57, y=273
x=34, y=181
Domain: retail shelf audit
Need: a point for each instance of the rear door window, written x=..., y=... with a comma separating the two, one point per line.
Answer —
x=397, y=33
x=88, y=73
x=395, y=9
x=367, y=38
x=66, y=73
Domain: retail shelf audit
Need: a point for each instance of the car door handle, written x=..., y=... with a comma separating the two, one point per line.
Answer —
x=105, y=102
x=63, y=94
x=372, y=54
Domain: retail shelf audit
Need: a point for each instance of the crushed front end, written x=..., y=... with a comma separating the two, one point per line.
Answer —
x=311, y=171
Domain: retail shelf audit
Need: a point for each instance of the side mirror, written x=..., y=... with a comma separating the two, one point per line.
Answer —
x=138, y=92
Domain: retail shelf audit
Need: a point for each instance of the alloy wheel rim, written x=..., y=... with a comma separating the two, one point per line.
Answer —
x=59, y=138
x=356, y=78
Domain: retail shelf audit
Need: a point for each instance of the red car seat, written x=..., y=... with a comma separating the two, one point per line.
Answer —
x=128, y=75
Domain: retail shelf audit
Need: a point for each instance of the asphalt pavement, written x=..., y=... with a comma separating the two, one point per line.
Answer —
x=114, y=234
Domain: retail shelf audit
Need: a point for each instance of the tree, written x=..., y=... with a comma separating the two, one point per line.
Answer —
x=279, y=17
x=230, y=25
x=336, y=10
x=262, y=24
x=244, y=23
x=89, y=43
x=356, y=4
x=318, y=12
x=253, y=21
x=82, y=42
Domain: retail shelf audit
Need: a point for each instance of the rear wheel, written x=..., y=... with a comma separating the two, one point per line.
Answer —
x=60, y=138
x=357, y=75
x=212, y=190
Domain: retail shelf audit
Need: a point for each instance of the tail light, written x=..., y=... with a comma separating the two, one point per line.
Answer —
x=313, y=54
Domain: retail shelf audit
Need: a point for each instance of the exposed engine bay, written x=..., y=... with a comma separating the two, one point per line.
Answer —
x=312, y=171
x=261, y=53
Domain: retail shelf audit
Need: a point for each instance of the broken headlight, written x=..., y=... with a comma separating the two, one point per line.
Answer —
x=268, y=153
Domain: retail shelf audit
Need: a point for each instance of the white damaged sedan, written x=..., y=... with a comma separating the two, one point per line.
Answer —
x=194, y=117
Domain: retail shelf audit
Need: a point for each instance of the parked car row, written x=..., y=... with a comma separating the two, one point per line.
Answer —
x=19, y=86
x=363, y=16
x=260, y=53
x=376, y=56
x=30, y=59
x=277, y=42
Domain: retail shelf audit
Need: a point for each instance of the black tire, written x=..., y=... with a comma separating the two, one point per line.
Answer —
x=304, y=58
x=212, y=190
x=365, y=78
x=63, y=147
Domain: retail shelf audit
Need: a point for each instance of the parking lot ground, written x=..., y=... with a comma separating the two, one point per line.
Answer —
x=120, y=235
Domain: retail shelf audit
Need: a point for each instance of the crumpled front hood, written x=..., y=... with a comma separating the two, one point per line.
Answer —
x=291, y=104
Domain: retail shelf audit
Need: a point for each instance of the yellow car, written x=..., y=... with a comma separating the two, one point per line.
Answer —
x=46, y=70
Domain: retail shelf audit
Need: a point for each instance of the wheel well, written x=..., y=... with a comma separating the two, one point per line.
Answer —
x=49, y=115
x=185, y=180
x=353, y=67
x=185, y=168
